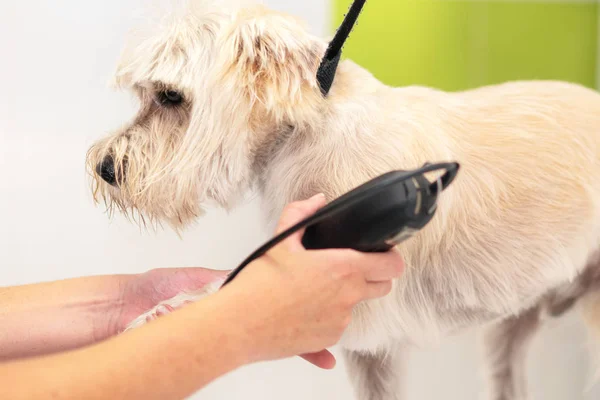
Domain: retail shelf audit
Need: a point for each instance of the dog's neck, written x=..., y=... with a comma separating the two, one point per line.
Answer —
x=340, y=127
x=269, y=148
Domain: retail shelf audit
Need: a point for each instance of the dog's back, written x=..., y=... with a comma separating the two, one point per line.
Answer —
x=515, y=232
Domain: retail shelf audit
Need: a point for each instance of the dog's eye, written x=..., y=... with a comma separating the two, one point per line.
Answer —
x=170, y=97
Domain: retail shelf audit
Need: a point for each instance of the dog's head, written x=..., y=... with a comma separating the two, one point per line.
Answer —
x=216, y=80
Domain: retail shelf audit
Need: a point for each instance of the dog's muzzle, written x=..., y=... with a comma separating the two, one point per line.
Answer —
x=106, y=170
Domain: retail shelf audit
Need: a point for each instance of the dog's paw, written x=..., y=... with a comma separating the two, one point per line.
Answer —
x=172, y=304
x=151, y=315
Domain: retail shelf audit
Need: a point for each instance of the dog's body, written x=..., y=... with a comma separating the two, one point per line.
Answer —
x=516, y=236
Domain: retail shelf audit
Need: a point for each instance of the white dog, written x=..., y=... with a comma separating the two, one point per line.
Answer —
x=229, y=102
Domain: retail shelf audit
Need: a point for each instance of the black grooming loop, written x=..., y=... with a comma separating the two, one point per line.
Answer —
x=331, y=59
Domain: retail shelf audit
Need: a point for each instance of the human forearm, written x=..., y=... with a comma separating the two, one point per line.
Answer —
x=56, y=316
x=170, y=358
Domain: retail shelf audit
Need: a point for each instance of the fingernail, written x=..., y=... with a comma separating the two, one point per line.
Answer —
x=317, y=196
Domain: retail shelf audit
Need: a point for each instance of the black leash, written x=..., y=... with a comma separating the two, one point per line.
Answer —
x=329, y=63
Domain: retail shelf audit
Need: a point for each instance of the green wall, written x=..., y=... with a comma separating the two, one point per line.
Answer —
x=456, y=45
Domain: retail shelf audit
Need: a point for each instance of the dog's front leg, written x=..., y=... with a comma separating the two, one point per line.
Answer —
x=376, y=376
x=505, y=346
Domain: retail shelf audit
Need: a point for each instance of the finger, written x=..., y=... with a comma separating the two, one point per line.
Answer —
x=378, y=267
x=323, y=359
x=378, y=289
x=294, y=213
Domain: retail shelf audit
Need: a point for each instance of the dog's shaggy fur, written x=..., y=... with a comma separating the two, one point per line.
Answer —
x=229, y=102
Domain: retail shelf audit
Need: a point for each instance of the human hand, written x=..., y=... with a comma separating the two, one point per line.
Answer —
x=143, y=292
x=298, y=302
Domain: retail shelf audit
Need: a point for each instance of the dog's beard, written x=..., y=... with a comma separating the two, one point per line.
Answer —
x=145, y=192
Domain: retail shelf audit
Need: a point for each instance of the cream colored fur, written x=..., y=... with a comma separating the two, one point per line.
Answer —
x=515, y=237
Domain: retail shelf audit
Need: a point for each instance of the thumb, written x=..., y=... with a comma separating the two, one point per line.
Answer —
x=294, y=213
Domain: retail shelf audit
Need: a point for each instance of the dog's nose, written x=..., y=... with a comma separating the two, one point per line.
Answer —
x=106, y=170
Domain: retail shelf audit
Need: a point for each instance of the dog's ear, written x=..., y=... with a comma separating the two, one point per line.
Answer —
x=272, y=57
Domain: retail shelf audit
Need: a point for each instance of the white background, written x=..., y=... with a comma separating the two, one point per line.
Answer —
x=56, y=58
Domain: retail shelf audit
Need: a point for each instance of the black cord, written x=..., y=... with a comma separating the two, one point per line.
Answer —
x=446, y=179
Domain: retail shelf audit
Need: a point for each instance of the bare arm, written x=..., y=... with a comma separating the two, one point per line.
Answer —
x=50, y=317
x=169, y=358
x=56, y=316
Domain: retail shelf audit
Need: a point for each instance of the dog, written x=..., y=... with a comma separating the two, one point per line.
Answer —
x=229, y=103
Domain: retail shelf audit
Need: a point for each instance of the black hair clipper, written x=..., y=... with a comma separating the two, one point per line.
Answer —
x=373, y=217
